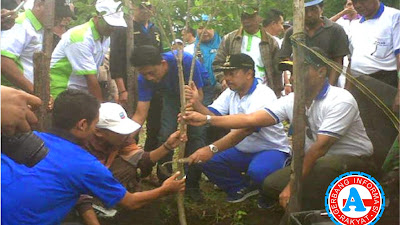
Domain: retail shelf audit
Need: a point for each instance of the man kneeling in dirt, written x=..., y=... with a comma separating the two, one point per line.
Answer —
x=46, y=192
x=335, y=138
x=114, y=145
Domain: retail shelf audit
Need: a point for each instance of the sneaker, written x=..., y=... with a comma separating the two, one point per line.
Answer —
x=242, y=195
x=265, y=203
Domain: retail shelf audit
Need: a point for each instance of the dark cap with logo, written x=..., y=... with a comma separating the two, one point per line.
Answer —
x=237, y=61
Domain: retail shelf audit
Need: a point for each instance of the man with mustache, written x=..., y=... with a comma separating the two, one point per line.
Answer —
x=252, y=40
x=322, y=33
x=264, y=151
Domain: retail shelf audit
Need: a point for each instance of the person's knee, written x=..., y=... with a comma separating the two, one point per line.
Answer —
x=257, y=175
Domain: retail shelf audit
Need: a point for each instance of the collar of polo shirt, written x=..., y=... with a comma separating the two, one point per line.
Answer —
x=95, y=33
x=35, y=22
x=377, y=15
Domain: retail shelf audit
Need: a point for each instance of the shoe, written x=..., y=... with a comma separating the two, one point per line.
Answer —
x=242, y=195
x=195, y=195
x=265, y=203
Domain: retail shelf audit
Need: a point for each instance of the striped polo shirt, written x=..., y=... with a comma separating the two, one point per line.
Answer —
x=20, y=43
x=80, y=52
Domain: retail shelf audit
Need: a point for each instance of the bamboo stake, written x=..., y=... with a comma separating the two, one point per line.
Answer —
x=41, y=66
x=131, y=79
x=298, y=112
x=182, y=125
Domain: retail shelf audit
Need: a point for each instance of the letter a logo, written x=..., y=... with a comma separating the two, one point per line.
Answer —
x=354, y=199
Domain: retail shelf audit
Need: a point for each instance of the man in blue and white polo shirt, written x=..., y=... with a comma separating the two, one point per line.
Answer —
x=160, y=72
x=336, y=140
x=262, y=152
x=77, y=57
x=375, y=57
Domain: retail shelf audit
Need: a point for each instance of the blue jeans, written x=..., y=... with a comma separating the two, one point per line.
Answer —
x=225, y=168
x=196, y=140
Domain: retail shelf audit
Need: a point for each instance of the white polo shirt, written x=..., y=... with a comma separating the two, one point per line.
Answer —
x=251, y=47
x=21, y=41
x=334, y=113
x=80, y=52
x=258, y=97
x=374, y=43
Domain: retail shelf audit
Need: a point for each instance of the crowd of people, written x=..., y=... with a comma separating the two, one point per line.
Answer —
x=241, y=93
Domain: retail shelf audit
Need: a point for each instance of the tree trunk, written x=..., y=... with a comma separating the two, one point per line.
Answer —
x=298, y=113
x=41, y=67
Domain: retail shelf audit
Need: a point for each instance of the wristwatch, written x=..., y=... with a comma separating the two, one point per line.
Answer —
x=208, y=119
x=213, y=148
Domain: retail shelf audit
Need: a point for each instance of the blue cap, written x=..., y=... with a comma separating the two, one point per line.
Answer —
x=312, y=3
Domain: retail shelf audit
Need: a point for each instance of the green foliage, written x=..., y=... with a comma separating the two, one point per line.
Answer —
x=239, y=217
x=224, y=14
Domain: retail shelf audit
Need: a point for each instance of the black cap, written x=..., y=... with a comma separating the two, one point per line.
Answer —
x=63, y=10
x=237, y=61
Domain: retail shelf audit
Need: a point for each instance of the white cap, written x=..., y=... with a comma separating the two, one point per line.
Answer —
x=113, y=117
x=111, y=16
x=176, y=41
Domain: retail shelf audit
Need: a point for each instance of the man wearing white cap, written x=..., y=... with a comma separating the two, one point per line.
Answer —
x=78, y=56
x=113, y=144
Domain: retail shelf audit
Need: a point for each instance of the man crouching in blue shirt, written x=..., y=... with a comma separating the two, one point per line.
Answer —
x=45, y=193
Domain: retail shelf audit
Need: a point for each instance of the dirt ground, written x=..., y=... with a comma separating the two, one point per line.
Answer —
x=216, y=211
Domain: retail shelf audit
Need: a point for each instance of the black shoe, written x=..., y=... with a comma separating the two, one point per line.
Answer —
x=242, y=195
x=194, y=194
x=266, y=203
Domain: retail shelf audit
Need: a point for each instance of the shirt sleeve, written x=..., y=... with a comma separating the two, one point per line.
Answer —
x=99, y=181
x=13, y=41
x=286, y=50
x=145, y=89
x=396, y=34
x=81, y=58
x=220, y=106
x=338, y=119
x=117, y=53
x=339, y=47
x=281, y=108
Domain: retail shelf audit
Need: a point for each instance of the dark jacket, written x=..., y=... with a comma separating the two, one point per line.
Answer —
x=232, y=44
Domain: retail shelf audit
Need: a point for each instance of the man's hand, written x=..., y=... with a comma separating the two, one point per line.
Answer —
x=16, y=113
x=201, y=155
x=7, y=19
x=175, y=139
x=191, y=93
x=123, y=98
x=285, y=196
x=195, y=118
x=172, y=185
x=288, y=90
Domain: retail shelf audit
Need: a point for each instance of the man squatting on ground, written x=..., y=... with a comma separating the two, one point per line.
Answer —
x=336, y=140
x=68, y=171
x=113, y=144
x=263, y=151
x=160, y=72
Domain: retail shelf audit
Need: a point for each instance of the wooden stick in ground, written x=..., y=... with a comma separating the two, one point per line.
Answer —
x=131, y=76
x=182, y=124
x=182, y=146
x=48, y=25
x=41, y=67
x=298, y=112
